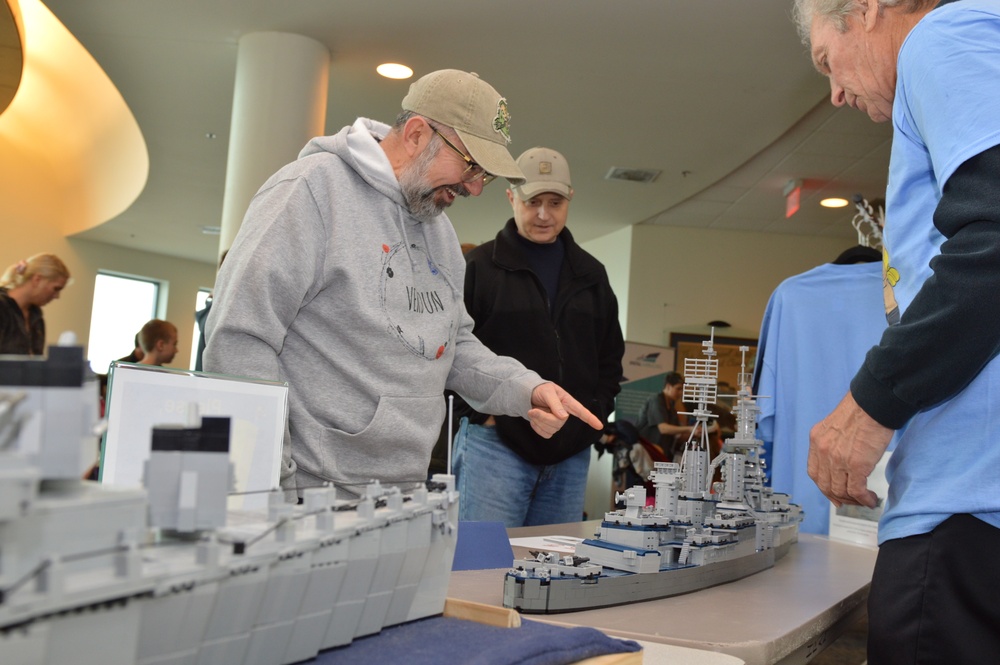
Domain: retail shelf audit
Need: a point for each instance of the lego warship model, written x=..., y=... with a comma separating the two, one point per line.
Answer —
x=691, y=538
x=95, y=574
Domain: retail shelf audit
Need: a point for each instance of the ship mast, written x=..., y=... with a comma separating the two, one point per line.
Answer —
x=701, y=387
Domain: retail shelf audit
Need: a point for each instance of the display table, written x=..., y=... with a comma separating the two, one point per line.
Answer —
x=783, y=615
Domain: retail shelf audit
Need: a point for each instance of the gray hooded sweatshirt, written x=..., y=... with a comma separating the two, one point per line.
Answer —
x=333, y=286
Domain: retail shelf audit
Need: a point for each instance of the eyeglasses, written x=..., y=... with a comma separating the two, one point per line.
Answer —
x=473, y=171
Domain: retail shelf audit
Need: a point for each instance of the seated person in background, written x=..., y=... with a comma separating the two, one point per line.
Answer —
x=659, y=422
x=159, y=342
x=633, y=459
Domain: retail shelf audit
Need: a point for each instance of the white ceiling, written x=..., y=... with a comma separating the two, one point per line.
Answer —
x=719, y=95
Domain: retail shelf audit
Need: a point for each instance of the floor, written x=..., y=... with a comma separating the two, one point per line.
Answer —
x=848, y=649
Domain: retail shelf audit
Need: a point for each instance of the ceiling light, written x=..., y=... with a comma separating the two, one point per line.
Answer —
x=211, y=230
x=834, y=202
x=391, y=70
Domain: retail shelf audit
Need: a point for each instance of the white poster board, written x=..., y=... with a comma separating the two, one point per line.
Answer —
x=859, y=524
x=143, y=396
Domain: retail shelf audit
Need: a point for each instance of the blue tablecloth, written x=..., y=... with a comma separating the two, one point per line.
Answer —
x=449, y=640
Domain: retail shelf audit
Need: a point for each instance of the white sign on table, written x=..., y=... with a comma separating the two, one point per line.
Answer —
x=142, y=396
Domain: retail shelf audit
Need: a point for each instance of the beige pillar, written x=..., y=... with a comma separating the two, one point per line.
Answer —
x=279, y=103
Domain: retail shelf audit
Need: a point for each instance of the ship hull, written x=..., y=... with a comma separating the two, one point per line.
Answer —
x=279, y=602
x=534, y=595
x=552, y=595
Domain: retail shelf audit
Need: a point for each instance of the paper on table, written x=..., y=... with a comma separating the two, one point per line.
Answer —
x=562, y=544
x=858, y=524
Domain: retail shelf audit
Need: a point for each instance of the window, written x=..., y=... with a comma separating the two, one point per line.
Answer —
x=199, y=305
x=122, y=305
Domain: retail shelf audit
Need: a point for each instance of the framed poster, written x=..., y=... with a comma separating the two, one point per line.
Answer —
x=143, y=396
x=644, y=367
x=730, y=357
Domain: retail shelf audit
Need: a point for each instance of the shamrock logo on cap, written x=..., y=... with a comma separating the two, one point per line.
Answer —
x=501, y=123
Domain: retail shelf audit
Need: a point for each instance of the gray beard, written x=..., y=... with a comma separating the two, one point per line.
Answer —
x=419, y=198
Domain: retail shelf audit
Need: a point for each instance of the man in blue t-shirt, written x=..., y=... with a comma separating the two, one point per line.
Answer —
x=933, y=69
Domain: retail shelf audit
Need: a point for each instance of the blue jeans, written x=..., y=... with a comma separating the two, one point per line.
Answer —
x=496, y=485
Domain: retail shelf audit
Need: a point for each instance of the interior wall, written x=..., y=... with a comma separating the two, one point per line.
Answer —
x=24, y=237
x=615, y=252
x=683, y=278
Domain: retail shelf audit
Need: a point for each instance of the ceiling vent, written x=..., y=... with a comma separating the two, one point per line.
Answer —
x=632, y=175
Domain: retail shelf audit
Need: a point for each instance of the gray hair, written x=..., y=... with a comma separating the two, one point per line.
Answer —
x=401, y=119
x=804, y=12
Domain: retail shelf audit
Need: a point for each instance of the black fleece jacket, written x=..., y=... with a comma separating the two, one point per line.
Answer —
x=578, y=345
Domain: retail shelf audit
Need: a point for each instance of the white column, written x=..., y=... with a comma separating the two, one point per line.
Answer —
x=279, y=103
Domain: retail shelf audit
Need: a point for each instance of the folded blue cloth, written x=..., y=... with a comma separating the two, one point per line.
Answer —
x=445, y=639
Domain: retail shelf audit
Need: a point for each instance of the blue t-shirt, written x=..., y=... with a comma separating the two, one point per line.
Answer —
x=817, y=328
x=946, y=110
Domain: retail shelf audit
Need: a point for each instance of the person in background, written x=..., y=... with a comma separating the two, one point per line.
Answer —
x=345, y=280
x=931, y=383
x=25, y=288
x=537, y=296
x=159, y=342
x=659, y=423
x=137, y=353
x=201, y=317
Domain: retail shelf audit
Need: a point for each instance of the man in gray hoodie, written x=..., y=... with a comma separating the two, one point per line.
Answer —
x=345, y=280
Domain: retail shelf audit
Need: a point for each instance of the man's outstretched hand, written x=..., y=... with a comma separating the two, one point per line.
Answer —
x=552, y=408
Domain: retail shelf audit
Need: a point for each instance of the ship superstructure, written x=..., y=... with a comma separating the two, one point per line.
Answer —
x=697, y=533
x=96, y=574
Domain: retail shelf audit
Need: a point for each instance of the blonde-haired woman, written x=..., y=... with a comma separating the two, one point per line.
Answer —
x=25, y=288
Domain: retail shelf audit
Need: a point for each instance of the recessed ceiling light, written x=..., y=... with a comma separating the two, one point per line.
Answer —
x=391, y=70
x=834, y=202
x=211, y=230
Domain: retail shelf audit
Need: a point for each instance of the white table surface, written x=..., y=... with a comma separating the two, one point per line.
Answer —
x=785, y=614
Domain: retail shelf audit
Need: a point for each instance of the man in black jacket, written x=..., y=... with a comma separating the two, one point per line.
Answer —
x=537, y=296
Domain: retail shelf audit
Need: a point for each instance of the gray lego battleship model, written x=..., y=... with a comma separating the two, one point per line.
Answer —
x=92, y=574
x=690, y=538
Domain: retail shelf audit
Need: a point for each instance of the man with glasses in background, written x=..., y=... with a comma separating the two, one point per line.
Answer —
x=345, y=280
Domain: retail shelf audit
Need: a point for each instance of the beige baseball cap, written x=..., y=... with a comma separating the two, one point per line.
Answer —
x=545, y=170
x=476, y=112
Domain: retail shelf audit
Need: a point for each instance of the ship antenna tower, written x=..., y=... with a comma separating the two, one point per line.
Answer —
x=701, y=386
